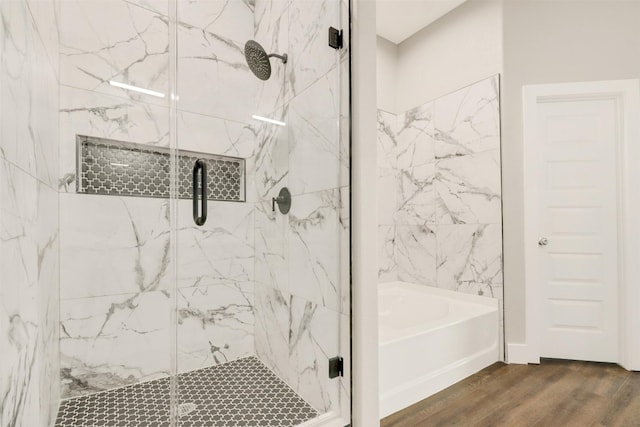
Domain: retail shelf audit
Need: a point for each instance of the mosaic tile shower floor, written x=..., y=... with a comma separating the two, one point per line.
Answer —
x=242, y=393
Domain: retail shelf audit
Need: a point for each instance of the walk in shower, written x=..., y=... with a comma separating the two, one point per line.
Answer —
x=167, y=284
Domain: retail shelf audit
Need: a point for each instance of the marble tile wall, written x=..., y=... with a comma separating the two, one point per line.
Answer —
x=249, y=281
x=117, y=255
x=29, y=233
x=301, y=293
x=302, y=258
x=115, y=251
x=215, y=262
x=439, y=194
x=115, y=291
x=215, y=285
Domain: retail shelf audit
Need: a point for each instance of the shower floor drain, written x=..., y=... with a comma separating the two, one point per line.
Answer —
x=185, y=408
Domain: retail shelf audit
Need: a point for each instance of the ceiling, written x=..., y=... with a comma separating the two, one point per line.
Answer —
x=397, y=20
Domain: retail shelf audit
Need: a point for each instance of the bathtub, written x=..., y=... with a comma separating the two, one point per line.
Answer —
x=429, y=339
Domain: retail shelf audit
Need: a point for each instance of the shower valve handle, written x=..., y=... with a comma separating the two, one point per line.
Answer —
x=283, y=200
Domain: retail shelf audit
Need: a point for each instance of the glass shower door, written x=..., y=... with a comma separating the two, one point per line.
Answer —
x=116, y=248
x=263, y=283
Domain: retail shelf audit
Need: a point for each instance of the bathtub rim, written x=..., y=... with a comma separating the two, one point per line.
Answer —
x=490, y=304
x=446, y=293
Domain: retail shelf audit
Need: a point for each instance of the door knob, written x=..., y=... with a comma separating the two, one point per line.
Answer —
x=543, y=241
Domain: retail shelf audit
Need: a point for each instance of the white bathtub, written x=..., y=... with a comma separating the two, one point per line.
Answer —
x=430, y=339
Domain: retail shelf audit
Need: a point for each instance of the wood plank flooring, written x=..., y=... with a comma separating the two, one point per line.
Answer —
x=559, y=393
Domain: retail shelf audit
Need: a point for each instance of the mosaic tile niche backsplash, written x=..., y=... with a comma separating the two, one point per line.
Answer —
x=112, y=167
x=439, y=184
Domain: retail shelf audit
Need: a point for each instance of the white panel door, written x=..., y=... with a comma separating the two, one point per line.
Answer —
x=578, y=205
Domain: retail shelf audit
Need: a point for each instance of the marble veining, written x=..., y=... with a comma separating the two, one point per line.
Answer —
x=29, y=234
x=272, y=315
x=271, y=248
x=314, y=149
x=231, y=138
x=271, y=160
x=313, y=243
x=219, y=252
x=113, y=245
x=30, y=96
x=302, y=259
x=313, y=339
x=231, y=90
x=271, y=23
x=470, y=258
x=468, y=120
x=20, y=324
x=416, y=254
x=415, y=201
x=115, y=40
x=469, y=189
x=414, y=134
x=387, y=259
x=215, y=324
x=440, y=192
x=387, y=143
x=48, y=261
x=250, y=281
x=311, y=57
x=233, y=18
x=84, y=112
x=114, y=340
x=46, y=17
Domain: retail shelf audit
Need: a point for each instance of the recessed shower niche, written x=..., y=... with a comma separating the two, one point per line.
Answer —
x=121, y=168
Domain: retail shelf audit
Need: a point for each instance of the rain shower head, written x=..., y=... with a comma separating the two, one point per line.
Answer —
x=258, y=59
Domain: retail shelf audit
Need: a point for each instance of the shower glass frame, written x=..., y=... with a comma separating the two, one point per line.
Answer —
x=146, y=294
x=339, y=85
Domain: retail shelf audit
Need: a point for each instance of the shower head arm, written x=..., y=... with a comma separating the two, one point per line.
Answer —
x=282, y=57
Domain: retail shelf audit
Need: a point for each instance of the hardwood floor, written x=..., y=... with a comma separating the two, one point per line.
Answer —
x=555, y=393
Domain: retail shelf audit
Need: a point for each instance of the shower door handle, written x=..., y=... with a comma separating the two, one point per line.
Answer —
x=200, y=212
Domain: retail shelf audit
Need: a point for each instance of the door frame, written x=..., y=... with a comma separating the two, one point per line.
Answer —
x=626, y=94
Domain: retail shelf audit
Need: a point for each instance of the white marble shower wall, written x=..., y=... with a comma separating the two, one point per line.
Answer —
x=302, y=258
x=215, y=262
x=439, y=192
x=115, y=251
x=116, y=255
x=29, y=234
x=249, y=281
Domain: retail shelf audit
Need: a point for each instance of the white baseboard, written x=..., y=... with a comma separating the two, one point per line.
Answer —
x=519, y=354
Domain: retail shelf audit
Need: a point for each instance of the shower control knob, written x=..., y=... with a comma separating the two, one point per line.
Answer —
x=543, y=241
x=283, y=200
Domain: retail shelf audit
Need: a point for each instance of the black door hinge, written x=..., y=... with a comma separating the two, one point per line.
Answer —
x=335, y=38
x=336, y=367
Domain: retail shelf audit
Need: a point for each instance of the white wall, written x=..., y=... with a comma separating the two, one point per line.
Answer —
x=462, y=47
x=386, y=75
x=363, y=241
x=552, y=42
